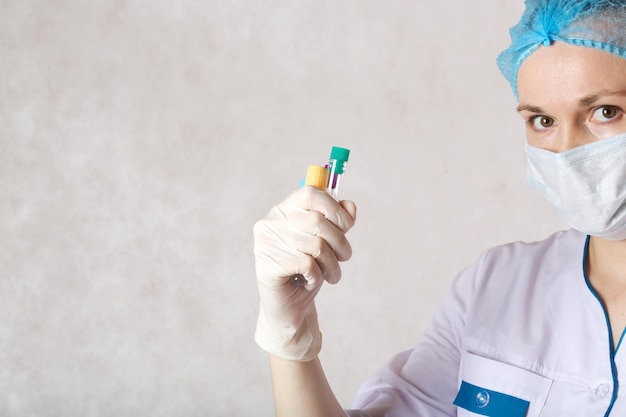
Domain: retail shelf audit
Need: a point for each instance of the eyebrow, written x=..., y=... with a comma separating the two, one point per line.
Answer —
x=592, y=98
x=532, y=109
x=583, y=102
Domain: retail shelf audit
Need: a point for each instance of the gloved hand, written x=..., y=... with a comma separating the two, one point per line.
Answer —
x=305, y=234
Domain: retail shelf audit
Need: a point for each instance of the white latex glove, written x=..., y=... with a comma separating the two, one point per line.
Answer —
x=305, y=234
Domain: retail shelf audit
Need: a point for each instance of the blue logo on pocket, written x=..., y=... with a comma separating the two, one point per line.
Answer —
x=489, y=403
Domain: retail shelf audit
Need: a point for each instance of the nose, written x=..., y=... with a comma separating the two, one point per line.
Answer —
x=570, y=137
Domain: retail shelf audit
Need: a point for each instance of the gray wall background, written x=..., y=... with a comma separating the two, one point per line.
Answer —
x=141, y=140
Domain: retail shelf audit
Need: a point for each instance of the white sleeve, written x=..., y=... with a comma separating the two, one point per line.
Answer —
x=423, y=382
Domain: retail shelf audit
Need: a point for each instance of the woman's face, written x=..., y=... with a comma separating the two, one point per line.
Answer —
x=571, y=95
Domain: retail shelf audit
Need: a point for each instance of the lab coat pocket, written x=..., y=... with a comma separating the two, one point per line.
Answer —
x=491, y=388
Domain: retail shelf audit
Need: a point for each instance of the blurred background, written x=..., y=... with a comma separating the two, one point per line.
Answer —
x=141, y=140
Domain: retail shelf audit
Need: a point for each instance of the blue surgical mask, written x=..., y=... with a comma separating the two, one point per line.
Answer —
x=586, y=185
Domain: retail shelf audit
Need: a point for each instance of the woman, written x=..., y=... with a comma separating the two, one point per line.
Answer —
x=528, y=329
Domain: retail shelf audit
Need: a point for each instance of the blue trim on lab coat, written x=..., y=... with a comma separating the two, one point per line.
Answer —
x=608, y=325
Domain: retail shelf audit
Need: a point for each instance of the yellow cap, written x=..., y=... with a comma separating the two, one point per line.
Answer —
x=317, y=176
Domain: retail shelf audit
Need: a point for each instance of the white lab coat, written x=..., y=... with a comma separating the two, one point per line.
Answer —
x=521, y=326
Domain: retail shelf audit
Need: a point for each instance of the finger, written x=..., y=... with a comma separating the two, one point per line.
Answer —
x=277, y=259
x=350, y=208
x=323, y=255
x=312, y=255
x=310, y=270
x=313, y=199
x=275, y=273
x=314, y=224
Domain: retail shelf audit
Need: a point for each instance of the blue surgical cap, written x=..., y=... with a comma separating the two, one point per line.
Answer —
x=597, y=24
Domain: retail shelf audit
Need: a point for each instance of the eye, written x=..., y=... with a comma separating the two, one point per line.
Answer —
x=541, y=122
x=606, y=113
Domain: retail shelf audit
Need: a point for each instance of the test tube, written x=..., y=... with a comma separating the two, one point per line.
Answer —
x=336, y=169
x=330, y=178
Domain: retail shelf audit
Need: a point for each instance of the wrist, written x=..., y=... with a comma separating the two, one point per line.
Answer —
x=295, y=343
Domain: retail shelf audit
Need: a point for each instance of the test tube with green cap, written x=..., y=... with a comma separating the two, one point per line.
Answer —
x=337, y=164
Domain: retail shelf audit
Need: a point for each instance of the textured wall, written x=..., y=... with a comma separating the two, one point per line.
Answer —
x=140, y=141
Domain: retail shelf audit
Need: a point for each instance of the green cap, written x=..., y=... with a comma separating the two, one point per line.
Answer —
x=341, y=155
